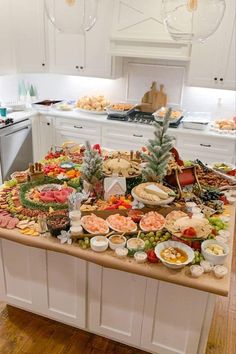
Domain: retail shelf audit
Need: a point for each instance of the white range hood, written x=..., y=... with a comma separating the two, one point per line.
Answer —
x=138, y=31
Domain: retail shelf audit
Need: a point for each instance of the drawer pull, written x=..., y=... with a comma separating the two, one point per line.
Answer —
x=205, y=145
x=78, y=127
x=137, y=136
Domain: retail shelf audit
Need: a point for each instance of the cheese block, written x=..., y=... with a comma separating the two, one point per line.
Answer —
x=153, y=189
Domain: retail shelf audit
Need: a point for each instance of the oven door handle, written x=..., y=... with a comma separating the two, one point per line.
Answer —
x=16, y=131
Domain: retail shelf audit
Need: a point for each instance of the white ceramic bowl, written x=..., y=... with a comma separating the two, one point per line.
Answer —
x=163, y=245
x=113, y=245
x=140, y=257
x=212, y=258
x=99, y=243
x=131, y=246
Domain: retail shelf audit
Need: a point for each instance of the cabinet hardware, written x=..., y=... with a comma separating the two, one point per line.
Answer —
x=43, y=64
x=221, y=79
x=77, y=67
x=215, y=78
x=78, y=127
x=48, y=123
x=205, y=145
x=137, y=136
x=81, y=67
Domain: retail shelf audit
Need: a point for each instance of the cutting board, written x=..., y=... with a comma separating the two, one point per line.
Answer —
x=154, y=99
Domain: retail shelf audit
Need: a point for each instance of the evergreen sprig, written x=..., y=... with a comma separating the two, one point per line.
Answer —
x=91, y=168
x=159, y=151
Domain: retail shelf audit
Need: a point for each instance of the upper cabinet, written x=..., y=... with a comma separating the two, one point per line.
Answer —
x=83, y=54
x=7, y=62
x=213, y=63
x=27, y=19
x=138, y=31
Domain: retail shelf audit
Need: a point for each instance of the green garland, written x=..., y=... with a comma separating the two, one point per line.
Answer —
x=42, y=206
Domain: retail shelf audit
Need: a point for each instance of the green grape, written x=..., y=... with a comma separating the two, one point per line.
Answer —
x=152, y=239
x=84, y=247
x=147, y=243
x=156, y=238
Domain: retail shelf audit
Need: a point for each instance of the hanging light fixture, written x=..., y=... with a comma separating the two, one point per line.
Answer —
x=192, y=20
x=72, y=16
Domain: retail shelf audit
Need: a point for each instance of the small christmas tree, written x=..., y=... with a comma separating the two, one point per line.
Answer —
x=91, y=170
x=159, y=152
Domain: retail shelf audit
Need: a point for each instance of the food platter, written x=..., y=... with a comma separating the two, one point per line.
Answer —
x=90, y=111
x=152, y=221
x=120, y=223
x=94, y=225
x=160, y=202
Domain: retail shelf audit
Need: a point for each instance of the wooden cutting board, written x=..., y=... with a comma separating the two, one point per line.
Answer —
x=154, y=99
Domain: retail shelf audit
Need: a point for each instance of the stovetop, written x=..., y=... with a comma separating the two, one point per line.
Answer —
x=139, y=118
x=6, y=122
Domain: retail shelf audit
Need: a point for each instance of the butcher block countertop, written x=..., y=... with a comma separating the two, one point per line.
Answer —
x=206, y=282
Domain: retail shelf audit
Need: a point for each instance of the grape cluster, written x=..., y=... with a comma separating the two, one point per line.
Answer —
x=84, y=243
x=198, y=257
x=151, y=239
x=208, y=195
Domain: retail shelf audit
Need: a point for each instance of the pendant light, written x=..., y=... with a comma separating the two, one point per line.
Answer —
x=72, y=16
x=192, y=20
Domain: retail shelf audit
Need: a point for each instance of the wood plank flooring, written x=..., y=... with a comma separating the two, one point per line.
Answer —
x=24, y=333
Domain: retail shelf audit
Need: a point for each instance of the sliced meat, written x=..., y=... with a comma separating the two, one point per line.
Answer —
x=5, y=221
x=12, y=223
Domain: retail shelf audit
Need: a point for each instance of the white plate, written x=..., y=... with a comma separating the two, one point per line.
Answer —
x=117, y=230
x=161, y=246
x=91, y=112
x=90, y=232
x=147, y=202
x=146, y=230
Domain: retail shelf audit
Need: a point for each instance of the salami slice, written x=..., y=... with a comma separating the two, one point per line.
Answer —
x=12, y=223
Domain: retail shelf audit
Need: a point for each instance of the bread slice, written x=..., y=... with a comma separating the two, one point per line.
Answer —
x=153, y=189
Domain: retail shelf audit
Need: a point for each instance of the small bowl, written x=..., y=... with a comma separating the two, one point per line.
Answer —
x=207, y=266
x=113, y=245
x=55, y=224
x=196, y=271
x=220, y=271
x=99, y=243
x=212, y=258
x=224, y=233
x=135, y=244
x=163, y=245
x=140, y=257
x=121, y=252
x=231, y=200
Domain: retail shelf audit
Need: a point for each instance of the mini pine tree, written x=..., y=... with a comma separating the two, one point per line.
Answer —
x=159, y=149
x=91, y=169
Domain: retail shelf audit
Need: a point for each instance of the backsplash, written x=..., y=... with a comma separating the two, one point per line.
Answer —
x=221, y=103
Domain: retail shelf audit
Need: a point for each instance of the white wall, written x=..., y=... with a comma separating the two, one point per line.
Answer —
x=221, y=103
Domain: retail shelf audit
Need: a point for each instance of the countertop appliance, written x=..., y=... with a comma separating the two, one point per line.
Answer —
x=16, y=149
x=140, y=118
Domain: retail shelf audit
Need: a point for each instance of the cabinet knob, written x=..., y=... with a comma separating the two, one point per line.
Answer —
x=43, y=64
x=81, y=67
x=48, y=123
x=78, y=127
x=215, y=78
x=221, y=79
x=77, y=67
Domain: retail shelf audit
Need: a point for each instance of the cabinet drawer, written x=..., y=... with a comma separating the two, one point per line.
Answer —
x=127, y=132
x=207, y=144
x=78, y=126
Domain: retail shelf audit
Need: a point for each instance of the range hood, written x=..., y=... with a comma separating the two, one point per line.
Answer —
x=138, y=31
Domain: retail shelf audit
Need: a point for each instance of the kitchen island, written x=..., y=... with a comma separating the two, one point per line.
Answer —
x=144, y=305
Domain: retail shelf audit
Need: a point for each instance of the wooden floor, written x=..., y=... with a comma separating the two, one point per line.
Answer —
x=22, y=332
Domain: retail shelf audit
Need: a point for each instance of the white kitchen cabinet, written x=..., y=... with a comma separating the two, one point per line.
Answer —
x=84, y=54
x=27, y=21
x=7, y=58
x=206, y=149
x=115, y=304
x=173, y=318
x=212, y=63
x=22, y=271
x=65, y=296
x=46, y=134
x=77, y=130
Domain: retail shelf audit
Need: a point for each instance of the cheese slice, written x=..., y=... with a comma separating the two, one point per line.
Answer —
x=153, y=189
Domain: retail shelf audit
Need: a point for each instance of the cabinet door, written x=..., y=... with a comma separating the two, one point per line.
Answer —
x=23, y=275
x=29, y=35
x=65, y=289
x=77, y=136
x=115, y=304
x=229, y=72
x=209, y=60
x=46, y=134
x=173, y=317
x=7, y=62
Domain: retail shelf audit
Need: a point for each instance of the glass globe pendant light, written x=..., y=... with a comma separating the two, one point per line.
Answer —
x=192, y=20
x=72, y=16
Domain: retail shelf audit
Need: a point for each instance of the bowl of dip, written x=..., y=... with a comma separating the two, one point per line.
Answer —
x=135, y=244
x=99, y=243
x=116, y=241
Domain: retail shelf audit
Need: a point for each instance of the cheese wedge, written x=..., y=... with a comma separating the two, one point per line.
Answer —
x=153, y=189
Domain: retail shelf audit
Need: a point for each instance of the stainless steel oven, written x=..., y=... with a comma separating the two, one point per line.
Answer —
x=16, y=149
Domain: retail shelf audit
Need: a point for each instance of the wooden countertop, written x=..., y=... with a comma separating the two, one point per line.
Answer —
x=207, y=282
